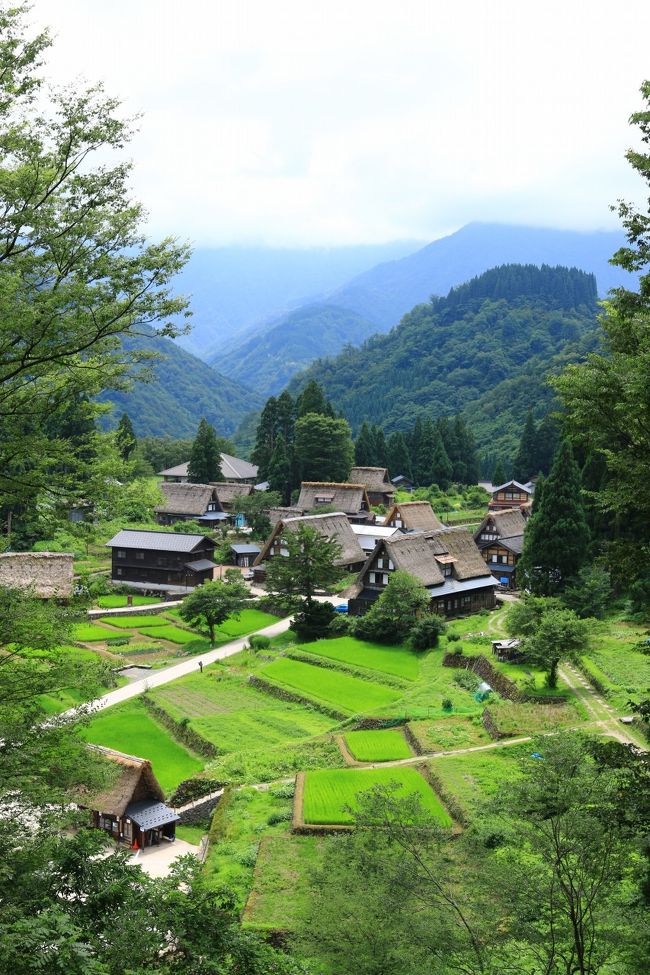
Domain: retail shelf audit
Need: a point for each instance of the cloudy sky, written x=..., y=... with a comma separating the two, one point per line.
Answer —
x=300, y=122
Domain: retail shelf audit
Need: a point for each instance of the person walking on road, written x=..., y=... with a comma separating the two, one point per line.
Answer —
x=201, y=666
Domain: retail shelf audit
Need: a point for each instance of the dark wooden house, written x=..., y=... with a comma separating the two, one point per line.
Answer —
x=243, y=555
x=512, y=494
x=447, y=563
x=376, y=482
x=190, y=502
x=402, y=483
x=131, y=807
x=351, y=499
x=229, y=491
x=333, y=526
x=413, y=516
x=500, y=538
x=164, y=561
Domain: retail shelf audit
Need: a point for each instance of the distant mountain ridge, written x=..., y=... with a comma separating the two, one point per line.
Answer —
x=183, y=390
x=380, y=296
x=485, y=350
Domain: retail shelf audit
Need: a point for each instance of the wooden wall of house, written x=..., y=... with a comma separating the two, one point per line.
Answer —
x=166, y=568
x=496, y=555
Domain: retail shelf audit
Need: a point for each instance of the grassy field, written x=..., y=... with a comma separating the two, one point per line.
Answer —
x=169, y=632
x=130, y=728
x=134, y=622
x=281, y=881
x=345, y=693
x=477, y=776
x=616, y=661
x=329, y=792
x=385, y=745
x=451, y=732
x=118, y=602
x=249, y=620
x=396, y=661
x=91, y=633
x=533, y=719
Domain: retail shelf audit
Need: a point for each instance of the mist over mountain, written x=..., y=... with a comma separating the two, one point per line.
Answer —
x=235, y=288
x=375, y=300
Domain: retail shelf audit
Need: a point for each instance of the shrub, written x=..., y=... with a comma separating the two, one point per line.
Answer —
x=313, y=624
x=453, y=637
x=259, y=642
x=118, y=641
x=285, y=790
x=466, y=679
x=341, y=625
x=247, y=857
x=426, y=632
x=447, y=704
x=279, y=817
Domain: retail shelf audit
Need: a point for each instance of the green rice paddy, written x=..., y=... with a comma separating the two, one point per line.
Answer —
x=134, y=622
x=169, y=632
x=396, y=661
x=91, y=633
x=117, y=602
x=345, y=693
x=385, y=745
x=328, y=792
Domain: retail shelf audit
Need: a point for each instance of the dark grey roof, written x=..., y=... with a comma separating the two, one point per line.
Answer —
x=515, y=543
x=158, y=541
x=453, y=586
x=246, y=549
x=201, y=565
x=232, y=468
x=150, y=813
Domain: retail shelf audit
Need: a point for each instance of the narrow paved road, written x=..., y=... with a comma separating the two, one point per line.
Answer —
x=190, y=666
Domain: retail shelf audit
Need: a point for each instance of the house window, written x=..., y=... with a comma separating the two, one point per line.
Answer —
x=384, y=578
x=119, y=570
x=446, y=571
x=212, y=506
x=139, y=555
x=372, y=576
x=390, y=564
x=121, y=554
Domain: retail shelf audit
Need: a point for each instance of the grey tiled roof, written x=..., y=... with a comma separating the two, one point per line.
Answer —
x=157, y=541
x=148, y=814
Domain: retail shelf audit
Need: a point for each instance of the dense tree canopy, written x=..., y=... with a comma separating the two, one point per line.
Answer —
x=205, y=456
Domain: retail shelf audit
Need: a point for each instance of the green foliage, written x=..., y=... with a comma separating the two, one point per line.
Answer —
x=324, y=448
x=549, y=634
x=385, y=745
x=260, y=642
x=556, y=537
x=255, y=508
x=125, y=437
x=205, y=456
x=212, y=603
x=313, y=621
x=426, y=632
x=308, y=566
x=589, y=594
x=391, y=618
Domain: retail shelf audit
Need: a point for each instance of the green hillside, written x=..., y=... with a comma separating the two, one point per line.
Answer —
x=485, y=350
x=182, y=390
x=270, y=358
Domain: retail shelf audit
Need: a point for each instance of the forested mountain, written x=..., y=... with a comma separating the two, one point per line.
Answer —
x=484, y=351
x=183, y=390
x=235, y=288
x=269, y=360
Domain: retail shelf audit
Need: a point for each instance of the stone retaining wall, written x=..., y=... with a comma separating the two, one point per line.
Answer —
x=181, y=732
x=200, y=810
x=275, y=691
x=499, y=682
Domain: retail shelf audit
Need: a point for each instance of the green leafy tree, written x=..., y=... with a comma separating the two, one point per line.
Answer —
x=213, y=603
x=589, y=594
x=205, y=456
x=310, y=565
x=324, y=448
x=392, y=617
x=76, y=275
x=125, y=437
x=255, y=508
x=556, y=537
x=549, y=633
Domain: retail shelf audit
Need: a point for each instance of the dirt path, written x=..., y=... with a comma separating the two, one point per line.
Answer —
x=603, y=714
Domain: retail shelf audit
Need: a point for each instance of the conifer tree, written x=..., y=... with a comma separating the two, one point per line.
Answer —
x=205, y=456
x=498, y=474
x=286, y=416
x=423, y=457
x=265, y=436
x=363, y=447
x=125, y=437
x=441, y=466
x=557, y=536
x=526, y=457
x=312, y=400
x=324, y=448
x=399, y=458
x=380, y=456
x=280, y=470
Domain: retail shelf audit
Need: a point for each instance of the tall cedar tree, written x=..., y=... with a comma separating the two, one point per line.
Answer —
x=312, y=400
x=399, y=457
x=279, y=470
x=380, y=452
x=557, y=536
x=324, y=448
x=498, y=474
x=526, y=458
x=265, y=436
x=125, y=437
x=363, y=447
x=205, y=456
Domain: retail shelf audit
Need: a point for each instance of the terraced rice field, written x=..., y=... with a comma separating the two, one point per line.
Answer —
x=91, y=633
x=328, y=792
x=134, y=622
x=385, y=745
x=396, y=661
x=130, y=728
x=477, y=776
x=117, y=602
x=169, y=632
x=340, y=691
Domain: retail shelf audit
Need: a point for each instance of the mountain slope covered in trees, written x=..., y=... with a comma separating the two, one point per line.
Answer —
x=271, y=358
x=183, y=389
x=484, y=351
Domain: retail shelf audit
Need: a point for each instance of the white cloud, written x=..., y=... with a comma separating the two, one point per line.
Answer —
x=332, y=122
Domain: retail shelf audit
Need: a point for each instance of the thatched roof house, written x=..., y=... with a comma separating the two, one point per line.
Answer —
x=45, y=574
x=280, y=514
x=352, y=499
x=131, y=806
x=447, y=562
x=189, y=502
x=232, y=468
x=331, y=526
x=229, y=491
x=500, y=538
x=376, y=482
x=413, y=516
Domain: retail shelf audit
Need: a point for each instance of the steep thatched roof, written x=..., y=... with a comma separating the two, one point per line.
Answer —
x=375, y=479
x=186, y=499
x=513, y=542
x=460, y=545
x=345, y=497
x=130, y=780
x=278, y=514
x=413, y=554
x=332, y=526
x=509, y=521
x=227, y=491
x=417, y=516
x=46, y=574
